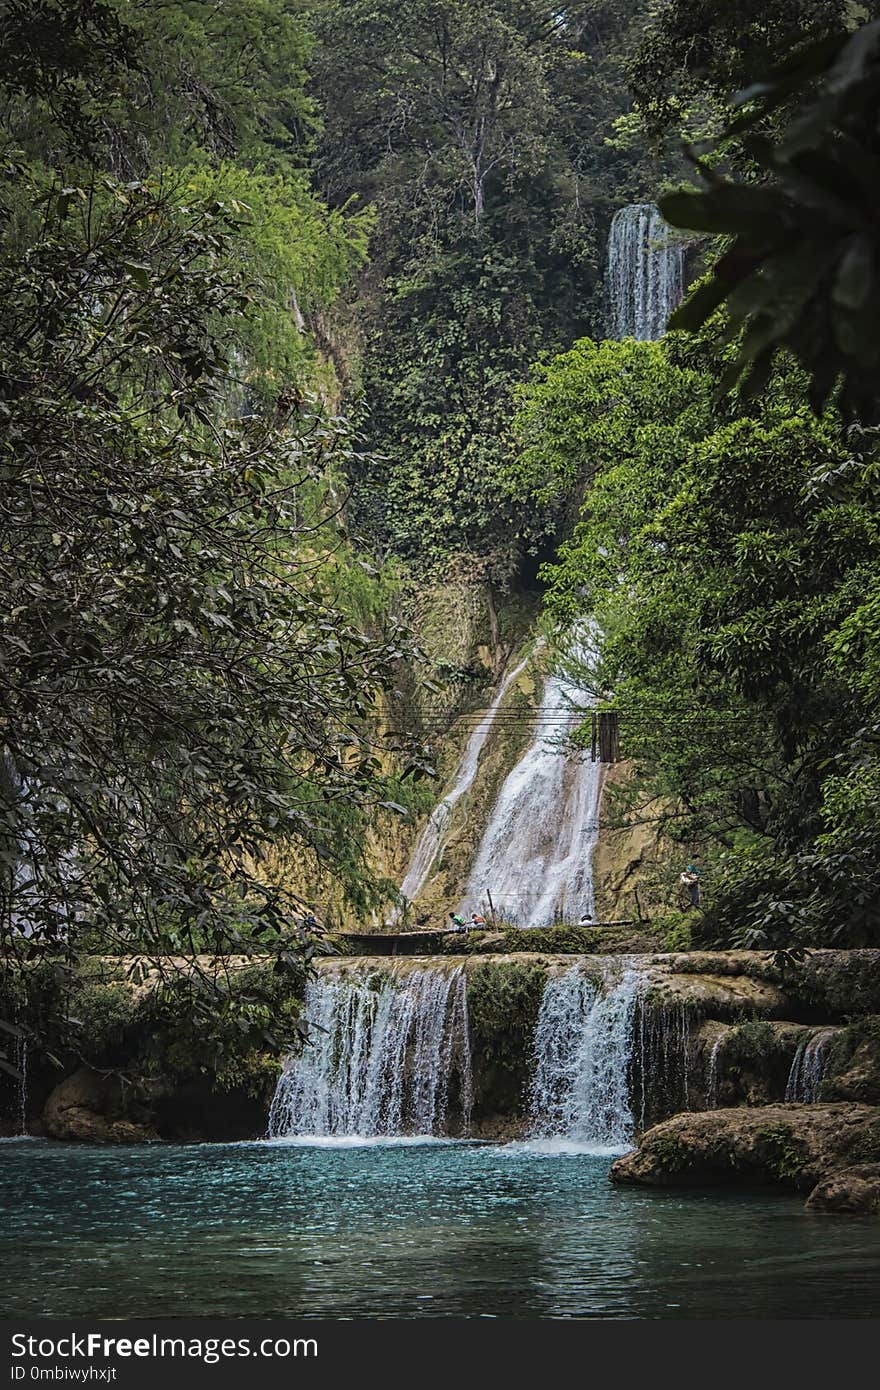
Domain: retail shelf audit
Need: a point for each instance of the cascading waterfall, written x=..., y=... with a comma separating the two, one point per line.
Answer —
x=430, y=843
x=662, y=1061
x=645, y=273
x=21, y=1059
x=581, y=1087
x=389, y=1051
x=535, y=857
x=808, y=1067
x=712, y=1077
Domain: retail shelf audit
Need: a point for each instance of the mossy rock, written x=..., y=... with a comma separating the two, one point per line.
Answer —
x=854, y=1065
x=503, y=1004
x=855, y=1189
x=790, y=1146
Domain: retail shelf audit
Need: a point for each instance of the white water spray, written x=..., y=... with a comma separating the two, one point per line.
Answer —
x=432, y=839
x=581, y=1088
x=384, y=1049
x=536, y=854
x=645, y=273
x=809, y=1066
x=712, y=1078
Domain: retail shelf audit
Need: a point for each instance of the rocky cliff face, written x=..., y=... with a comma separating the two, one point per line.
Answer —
x=632, y=861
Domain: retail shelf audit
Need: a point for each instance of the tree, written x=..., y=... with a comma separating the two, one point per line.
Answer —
x=799, y=272
x=692, y=54
x=729, y=551
x=482, y=135
x=188, y=674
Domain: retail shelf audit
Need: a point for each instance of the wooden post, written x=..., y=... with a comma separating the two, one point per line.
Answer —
x=609, y=736
x=491, y=907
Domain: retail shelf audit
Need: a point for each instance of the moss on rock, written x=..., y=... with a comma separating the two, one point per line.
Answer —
x=855, y=1189
x=792, y=1146
x=503, y=1003
x=854, y=1065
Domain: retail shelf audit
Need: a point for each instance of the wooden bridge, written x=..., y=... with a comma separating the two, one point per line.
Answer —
x=427, y=941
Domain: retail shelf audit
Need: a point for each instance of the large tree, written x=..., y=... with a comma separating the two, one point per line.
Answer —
x=483, y=135
x=186, y=678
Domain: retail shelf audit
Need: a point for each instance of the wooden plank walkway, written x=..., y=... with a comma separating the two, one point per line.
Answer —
x=427, y=939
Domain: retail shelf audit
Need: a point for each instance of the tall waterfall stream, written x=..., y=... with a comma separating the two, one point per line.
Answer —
x=534, y=858
x=430, y=843
x=645, y=273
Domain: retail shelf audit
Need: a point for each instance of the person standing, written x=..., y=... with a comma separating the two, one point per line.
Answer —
x=690, y=880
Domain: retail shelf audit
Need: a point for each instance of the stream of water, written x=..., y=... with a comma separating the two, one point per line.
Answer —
x=430, y=843
x=535, y=856
x=387, y=1049
x=583, y=1047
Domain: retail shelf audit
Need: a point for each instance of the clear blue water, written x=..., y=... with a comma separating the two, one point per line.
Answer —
x=405, y=1231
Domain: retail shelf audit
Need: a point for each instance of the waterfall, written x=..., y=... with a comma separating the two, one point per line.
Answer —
x=712, y=1078
x=535, y=857
x=430, y=843
x=645, y=273
x=662, y=1061
x=383, y=1051
x=21, y=1061
x=583, y=1046
x=808, y=1067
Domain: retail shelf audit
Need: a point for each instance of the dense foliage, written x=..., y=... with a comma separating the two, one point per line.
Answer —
x=220, y=224
x=800, y=271
x=731, y=553
x=485, y=135
x=189, y=659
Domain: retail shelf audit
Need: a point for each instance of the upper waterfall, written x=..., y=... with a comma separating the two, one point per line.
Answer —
x=430, y=843
x=645, y=273
x=535, y=857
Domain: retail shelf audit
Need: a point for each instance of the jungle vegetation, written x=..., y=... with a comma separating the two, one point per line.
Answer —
x=304, y=302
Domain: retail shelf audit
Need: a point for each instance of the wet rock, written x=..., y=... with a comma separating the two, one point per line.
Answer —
x=747, y=1063
x=718, y=996
x=854, y=1070
x=793, y=1146
x=93, y=1109
x=855, y=1189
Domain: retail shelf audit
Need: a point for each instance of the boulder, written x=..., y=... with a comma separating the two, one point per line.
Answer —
x=793, y=1146
x=855, y=1189
x=93, y=1109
